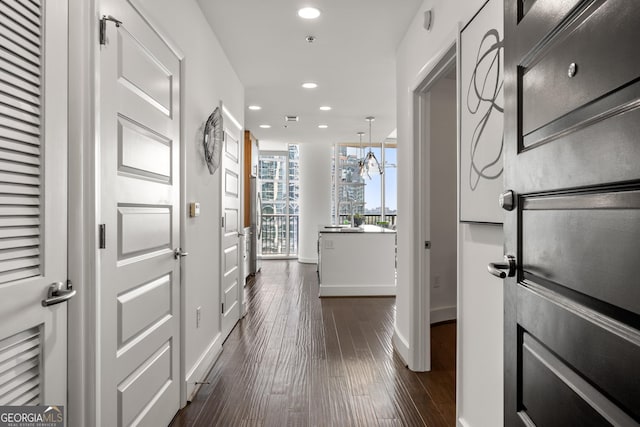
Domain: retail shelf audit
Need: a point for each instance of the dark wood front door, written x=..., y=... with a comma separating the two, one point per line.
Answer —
x=572, y=133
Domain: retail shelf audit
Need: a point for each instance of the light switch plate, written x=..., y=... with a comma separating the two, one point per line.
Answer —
x=194, y=209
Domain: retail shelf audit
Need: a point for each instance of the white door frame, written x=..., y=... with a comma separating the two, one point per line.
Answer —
x=83, y=50
x=83, y=270
x=420, y=295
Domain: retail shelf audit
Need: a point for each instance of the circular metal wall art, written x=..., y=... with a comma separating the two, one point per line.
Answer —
x=212, y=140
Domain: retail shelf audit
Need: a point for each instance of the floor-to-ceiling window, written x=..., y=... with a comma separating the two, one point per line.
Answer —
x=373, y=196
x=280, y=189
x=348, y=185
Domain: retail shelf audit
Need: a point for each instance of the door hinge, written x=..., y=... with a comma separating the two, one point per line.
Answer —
x=427, y=244
x=102, y=236
x=222, y=222
x=222, y=308
x=103, y=27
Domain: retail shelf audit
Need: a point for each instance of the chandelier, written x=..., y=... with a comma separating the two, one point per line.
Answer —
x=361, y=165
x=369, y=164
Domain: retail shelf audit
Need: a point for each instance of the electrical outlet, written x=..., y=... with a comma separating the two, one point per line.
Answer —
x=436, y=282
x=198, y=316
x=328, y=244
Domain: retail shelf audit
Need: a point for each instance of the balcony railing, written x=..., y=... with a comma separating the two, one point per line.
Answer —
x=373, y=219
x=274, y=231
x=275, y=228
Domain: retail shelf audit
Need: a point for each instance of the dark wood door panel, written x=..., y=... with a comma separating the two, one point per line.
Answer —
x=599, y=120
x=598, y=349
x=580, y=159
x=547, y=398
x=538, y=18
x=603, y=46
x=572, y=157
x=560, y=233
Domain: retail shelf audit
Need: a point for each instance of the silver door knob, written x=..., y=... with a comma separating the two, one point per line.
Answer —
x=179, y=253
x=56, y=294
x=507, y=268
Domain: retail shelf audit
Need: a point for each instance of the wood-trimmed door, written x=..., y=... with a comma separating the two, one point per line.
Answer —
x=572, y=135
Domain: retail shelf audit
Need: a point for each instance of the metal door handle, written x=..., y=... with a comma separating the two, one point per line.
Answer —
x=179, y=253
x=56, y=294
x=507, y=200
x=507, y=268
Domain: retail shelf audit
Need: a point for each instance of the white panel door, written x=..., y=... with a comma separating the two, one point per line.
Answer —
x=33, y=201
x=230, y=262
x=139, y=279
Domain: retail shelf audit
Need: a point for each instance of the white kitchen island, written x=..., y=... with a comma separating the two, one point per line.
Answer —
x=357, y=261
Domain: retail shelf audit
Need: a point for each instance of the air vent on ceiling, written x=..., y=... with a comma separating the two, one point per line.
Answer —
x=291, y=118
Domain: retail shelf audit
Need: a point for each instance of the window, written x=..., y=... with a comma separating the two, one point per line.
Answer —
x=391, y=183
x=278, y=172
x=369, y=197
x=348, y=189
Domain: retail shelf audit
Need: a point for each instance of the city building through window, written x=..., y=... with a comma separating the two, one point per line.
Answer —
x=279, y=175
x=373, y=198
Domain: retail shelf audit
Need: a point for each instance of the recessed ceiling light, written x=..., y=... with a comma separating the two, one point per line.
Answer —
x=308, y=13
x=323, y=126
x=255, y=107
x=265, y=126
x=309, y=85
x=325, y=108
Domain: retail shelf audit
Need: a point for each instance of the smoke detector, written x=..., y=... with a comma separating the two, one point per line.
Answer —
x=310, y=39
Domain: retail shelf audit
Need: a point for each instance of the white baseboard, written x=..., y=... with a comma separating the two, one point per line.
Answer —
x=401, y=345
x=245, y=309
x=442, y=314
x=357, y=290
x=308, y=260
x=201, y=368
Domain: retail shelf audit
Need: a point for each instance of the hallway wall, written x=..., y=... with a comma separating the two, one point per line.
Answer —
x=480, y=348
x=443, y=204
x=208, y=77
x=315, y=197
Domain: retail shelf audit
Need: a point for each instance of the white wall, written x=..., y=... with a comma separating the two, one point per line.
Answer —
x=208, y=77
x=479, y=306
x=315, y=197
x=272, y=146
x=443, y=203
x=480, y=329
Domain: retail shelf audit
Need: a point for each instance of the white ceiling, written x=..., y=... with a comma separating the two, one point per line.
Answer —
x=352, y=61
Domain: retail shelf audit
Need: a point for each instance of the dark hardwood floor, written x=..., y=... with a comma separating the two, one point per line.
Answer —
x=298, y=360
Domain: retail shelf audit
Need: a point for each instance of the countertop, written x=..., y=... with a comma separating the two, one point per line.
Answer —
x=365, y=228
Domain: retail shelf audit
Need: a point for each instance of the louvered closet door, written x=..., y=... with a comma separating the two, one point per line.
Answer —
x=33, y=200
